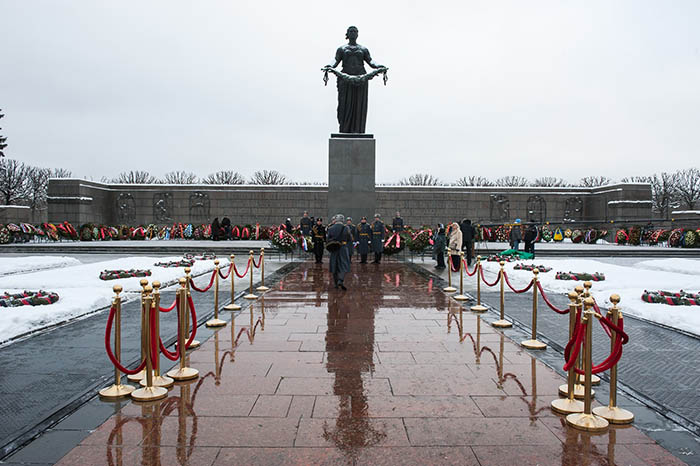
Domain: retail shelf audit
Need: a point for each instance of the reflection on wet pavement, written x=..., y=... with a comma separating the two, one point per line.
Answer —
x=389, y=372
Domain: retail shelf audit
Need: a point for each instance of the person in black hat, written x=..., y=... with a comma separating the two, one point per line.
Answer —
x=318, y=236
x=377, y=238
x=337, y=238
x=364, y=236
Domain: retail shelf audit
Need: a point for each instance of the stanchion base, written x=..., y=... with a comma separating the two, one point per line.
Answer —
x=136, y=377
x=193, y=345
x=567, y=406
x=595, y=380
x=579, y=391
x=149, y=393
x=116, y=391
x=250, y=296
x=502, y=324
x=262, y=288
x=184, y=373
x=215, y=323
x=588, y=422
x=614, y=415
x=232, y=307
x=533, y=344
x=478, y=308
x=449, y=289
x=159, y=381
x=461, y=297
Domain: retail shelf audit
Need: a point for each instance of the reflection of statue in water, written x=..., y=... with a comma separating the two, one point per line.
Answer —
x=353, y=82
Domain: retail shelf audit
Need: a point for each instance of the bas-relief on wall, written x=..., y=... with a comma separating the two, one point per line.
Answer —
x=499, y=208
x=126, y=208
x=162, y=207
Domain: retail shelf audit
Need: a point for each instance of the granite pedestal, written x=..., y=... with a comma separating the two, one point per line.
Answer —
x=351, y=169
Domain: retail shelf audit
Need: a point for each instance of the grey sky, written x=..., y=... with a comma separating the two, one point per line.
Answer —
x=475, y=88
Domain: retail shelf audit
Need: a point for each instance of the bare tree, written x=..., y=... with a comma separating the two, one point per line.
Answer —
x=268, y=177
x=37, y=187
x=61, y=173
x=594, y=181
x=514, y=181
x=180, y=177
x=134, y=177
x=473, y=181
x=420, y=179
x=2, y=139
x=688, y=185
x=224, y=177
x=550, y=182
x=13, y=181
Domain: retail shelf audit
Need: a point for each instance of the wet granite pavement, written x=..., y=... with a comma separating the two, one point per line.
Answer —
x=373, y=375
x=48, y=375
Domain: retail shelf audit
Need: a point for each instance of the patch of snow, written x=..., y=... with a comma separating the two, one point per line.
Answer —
x=11, y=265
x=81, y=291
x=627, y=281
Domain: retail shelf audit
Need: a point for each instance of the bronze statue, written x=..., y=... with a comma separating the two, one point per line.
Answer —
x=352, y=82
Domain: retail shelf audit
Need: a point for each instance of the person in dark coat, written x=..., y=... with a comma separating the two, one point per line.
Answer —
x=377, y=238
x=515, y=235
x=468, y=235
x=288, y=225
x=353, y=232
x=215, y=230
x=397, y=223
x=306, y=224
x=318, y=236
x=339, y=260
x=364, y=236
x=439, y=244
x=226, y=228
x=530, y=238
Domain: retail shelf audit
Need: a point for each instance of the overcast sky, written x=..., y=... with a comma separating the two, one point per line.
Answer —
x=485, y=88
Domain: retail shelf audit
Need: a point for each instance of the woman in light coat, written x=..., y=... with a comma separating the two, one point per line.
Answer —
x=455, y=244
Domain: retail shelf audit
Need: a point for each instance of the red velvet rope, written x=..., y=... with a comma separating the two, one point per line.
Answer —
x=484, y=278
x=193, y=316
x=466, y=268
x=621, y=338
x=155, y=360
x=257, y=266
x=605, y=327
x=108, y=347
x=229, y=272
x=529, y=285
x=235, y=269
x=202, y=290
x=168, y=309
x=546, y=300
x=452, y=266
x=172, y=356
x=574, y=345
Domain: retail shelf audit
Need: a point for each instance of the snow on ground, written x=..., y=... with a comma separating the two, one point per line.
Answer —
x=80, y=289
x=12, y=265
x=628, y=281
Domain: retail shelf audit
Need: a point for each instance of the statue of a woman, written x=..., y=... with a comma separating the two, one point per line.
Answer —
x=352, y=83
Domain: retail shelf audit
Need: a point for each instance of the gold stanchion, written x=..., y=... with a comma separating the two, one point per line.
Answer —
x=569, y=404
x=478, y=307
x=158, y=380
x=188, y=324
x=502, y=322
x=250, y=294
x=587, y=420
x=613, y=413
x=595, y=380
x=232, y=306
x=141, y=374
x=117, y=390
x=533, y=343
x=262, y=288
x=449, y=288
x=183, y=372
x=149, y=392
x=216, y=322
x=460, y=296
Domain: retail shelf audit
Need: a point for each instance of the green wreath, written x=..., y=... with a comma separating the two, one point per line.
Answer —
x=116, y=274
x=28, y=298
x=580, y=276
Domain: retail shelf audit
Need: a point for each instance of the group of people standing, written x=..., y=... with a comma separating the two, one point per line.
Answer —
x=457, y=237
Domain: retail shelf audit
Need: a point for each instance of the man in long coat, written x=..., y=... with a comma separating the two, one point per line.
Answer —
x=353, y=236
x=306, y=224
x=340, y=260
x=318, y=236
x=377, y=238
x=364, y=236
x=397, y=223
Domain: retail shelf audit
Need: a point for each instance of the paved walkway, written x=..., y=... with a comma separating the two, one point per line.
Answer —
x=368, y=376
x=48, y=375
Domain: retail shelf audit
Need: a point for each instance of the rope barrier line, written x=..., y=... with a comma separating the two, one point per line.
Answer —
x=597, y=310
x=549, y=303
x=168, y=309
x=224, y=277
x=529, y=285
x=108, y=347
x=202, y=290
x=235, y=269
x=484, y=278
x=466, y=268
x=257, y=266
x=176, y=355
x=576, y=342
x=193, y=316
